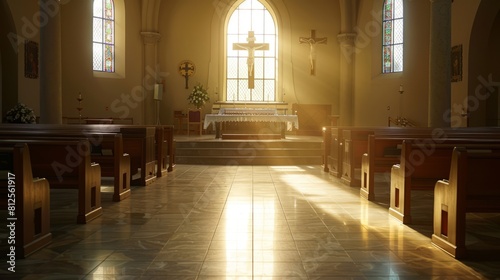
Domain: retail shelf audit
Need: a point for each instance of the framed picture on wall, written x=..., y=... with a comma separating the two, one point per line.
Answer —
x=456, y=63
x=31, y=59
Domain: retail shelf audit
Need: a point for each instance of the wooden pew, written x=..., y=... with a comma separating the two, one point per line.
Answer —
x=421, y=166
x=385, y=149
x=349, y=156
x=107, y=150
x=66, y=164
x=473, y=186
x=26, y=199
x=348, y=145
x=148, y=138
x=138, y=141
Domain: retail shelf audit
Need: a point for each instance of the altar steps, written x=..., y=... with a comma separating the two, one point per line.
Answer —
x=248, y=152
x=251, y=136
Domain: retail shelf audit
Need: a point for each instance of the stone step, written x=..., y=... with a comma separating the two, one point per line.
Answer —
x=250, y=160
x=251, y=136
x=248, y=152
x=247, y=143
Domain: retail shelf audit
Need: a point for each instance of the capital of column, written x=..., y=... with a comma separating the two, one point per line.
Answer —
x=347, y=38
x=150, y=38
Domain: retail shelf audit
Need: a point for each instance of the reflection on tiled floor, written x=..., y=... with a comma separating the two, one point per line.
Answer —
x=252, y=222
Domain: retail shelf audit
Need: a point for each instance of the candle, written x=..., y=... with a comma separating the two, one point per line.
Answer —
x=400, y=87
x=80, y=95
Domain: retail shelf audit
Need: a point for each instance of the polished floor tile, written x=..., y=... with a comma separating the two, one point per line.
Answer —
x=253, y=222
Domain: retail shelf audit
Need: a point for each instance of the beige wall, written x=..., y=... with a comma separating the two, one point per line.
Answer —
x=483, y=60
x=463, y=14
x=111, y=95
x=25, y=15
x=376, y=92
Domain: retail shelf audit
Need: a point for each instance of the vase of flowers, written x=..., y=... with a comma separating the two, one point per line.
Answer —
x=20, y=114
x=198, y=96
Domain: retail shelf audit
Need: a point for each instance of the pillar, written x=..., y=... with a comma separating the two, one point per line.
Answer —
x=439, y=64
x=50, y=63
x=346, y=92
x=150, y=40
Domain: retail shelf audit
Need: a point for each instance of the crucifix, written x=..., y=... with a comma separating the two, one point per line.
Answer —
x=186, y=69
x=251, y=47
x=312, y=41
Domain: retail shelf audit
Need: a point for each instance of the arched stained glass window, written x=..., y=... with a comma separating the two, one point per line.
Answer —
x=251, y=50
x=393, y=34
x=104, y=36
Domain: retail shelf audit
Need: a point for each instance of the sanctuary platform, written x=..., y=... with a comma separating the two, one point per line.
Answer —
x=208, y=150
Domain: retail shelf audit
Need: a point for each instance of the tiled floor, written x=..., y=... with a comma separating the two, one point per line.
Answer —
x=252, y=222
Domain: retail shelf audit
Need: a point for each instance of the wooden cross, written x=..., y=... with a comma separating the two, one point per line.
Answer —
x=312, y=41
x=251, y=47
x=186, y=69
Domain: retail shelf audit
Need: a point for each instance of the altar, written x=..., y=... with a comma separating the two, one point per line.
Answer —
x=243, y=115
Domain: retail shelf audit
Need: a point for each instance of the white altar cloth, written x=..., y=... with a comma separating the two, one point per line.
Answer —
x=248, y=111
x=216, y=118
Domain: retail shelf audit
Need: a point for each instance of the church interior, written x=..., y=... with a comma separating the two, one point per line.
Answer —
x=336, y=79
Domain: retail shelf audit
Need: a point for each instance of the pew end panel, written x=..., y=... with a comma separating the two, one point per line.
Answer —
x=327, y=146
x=382, y=154
x=30, y=197
x=336, y=152
x=122, y=172
x=108, y=152
x=90, y=189
x=419, y=168
x=472, y=187
x=164, y=149
x=355, y=144
x=397, y=200
x=140, y=145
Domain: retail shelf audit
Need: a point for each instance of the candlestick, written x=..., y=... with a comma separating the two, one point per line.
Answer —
x=79, y=108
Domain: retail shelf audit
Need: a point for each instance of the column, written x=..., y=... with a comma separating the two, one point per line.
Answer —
x=346, y=41
x=50, y=63
x=150, y=40
x=439, y=64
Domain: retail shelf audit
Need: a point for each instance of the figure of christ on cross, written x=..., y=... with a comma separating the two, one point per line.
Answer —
x=312, y=41
x=186, y=69
x=251, y=47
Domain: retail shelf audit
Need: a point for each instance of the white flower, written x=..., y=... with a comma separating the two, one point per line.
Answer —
x=198, y=96
x=20, y=114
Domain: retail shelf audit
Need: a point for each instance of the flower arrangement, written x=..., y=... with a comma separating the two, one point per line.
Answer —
x=20, y=114
x=198, y=96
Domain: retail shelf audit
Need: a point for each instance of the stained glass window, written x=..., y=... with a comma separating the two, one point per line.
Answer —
x=251, y=15
x=392, y=41
x=104, y=36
